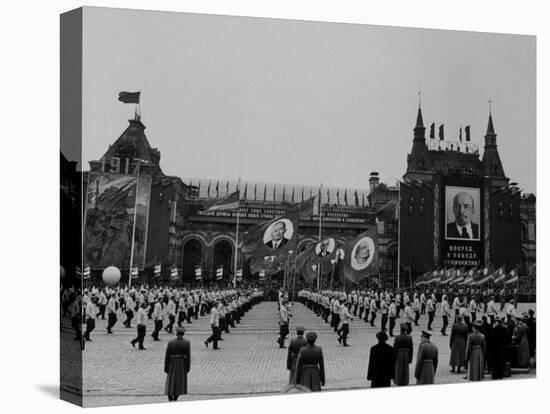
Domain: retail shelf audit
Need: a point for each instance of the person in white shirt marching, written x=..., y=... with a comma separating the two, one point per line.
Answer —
x=372, y=308
x=392, y=315
x=171, y=312
x=214, y=325
x=383, y=313
x=445, y=314
x=157, y=317
x=91, y=312
x=416, y=309
x=430, y=308
x=111, y=313
x=345, y=318
x=141, y=326
x=129, y=306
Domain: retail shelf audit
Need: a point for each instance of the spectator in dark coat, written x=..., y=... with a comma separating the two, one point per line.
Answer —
x=403, y=351
x=457, y=343
x=177, y=363
x=532, y=335
x=310, y=370
x=381, y=368
x=296, y=344
x=500, y=340
x=426, y=360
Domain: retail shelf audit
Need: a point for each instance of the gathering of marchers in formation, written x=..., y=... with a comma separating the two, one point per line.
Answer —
x=486, y=334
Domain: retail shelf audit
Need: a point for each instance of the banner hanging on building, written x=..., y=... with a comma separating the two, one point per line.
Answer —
x=109, y=217
x=360, y=257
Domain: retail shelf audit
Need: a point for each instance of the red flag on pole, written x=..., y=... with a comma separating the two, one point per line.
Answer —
x=129, y=97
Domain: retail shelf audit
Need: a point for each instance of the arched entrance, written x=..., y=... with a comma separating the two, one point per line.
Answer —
x=192, y=256
x=222, y=258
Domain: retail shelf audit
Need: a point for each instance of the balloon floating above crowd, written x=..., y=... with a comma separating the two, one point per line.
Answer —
x=111, y=275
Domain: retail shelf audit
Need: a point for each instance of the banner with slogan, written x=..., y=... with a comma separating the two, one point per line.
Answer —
x=109, y=219
x=360, y=257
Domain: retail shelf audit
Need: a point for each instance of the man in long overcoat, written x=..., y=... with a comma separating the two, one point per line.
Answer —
x=457, y=343
x=177, y=363
x=381, y=362
x=426, y=360
x=296, y=344
x=403, y=351
x=500, y=340
x=310, y=370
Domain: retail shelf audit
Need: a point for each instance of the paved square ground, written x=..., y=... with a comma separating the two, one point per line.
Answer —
x=249, y=363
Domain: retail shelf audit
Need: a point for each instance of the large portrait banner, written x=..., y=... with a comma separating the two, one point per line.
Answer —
x=462, y=226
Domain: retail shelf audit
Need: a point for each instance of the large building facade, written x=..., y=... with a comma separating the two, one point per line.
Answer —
x=457, y=208
x=174, y=229
x=137, y=216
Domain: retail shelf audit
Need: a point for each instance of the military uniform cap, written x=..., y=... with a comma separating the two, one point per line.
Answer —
x=311, y=336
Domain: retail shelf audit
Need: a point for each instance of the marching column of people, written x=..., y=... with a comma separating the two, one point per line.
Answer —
x=484, y=339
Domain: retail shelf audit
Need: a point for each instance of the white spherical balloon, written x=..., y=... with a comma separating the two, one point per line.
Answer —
x=62, y=272
x=111, y=275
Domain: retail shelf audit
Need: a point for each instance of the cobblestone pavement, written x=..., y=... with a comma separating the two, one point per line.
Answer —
x=249, y=362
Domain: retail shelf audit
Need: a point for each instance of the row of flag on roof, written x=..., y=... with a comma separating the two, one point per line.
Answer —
x=271, y=246
x=471, y=277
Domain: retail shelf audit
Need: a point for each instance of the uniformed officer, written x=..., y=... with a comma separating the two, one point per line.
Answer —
x=177, y=364
x=310, y=371
x=426, y=360
x=296, y=344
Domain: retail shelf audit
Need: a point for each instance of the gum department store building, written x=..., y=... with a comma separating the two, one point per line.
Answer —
x=182, y=234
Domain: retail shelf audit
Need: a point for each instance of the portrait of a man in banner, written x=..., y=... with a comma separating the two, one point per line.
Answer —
x=362, y=253
x=325, y=248
x=462, y=213
x=278, y=234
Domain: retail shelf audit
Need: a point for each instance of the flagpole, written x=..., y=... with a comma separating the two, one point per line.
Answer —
x=398, y=234
x=134, y=227
x=237, y=236
x=320, y=232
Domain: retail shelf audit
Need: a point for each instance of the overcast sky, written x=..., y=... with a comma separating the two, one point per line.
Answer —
x=296, y=102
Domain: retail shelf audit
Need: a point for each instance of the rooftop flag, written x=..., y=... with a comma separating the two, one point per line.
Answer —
x=129, y=97
x=230, y=202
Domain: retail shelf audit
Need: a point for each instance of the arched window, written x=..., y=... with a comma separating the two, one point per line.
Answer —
x=222, y=258
x=192, y=256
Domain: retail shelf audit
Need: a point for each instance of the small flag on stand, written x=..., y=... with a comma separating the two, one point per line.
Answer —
x=87, y=272
x=239, y=274
x=262, y=274
x=198, y=272
x=219, y=273
x=174, y=273
x=134, y=272
x=158, y=269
